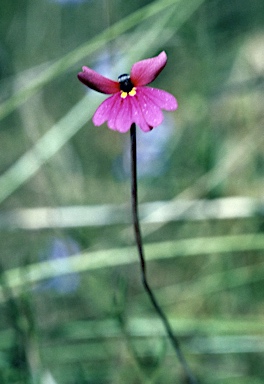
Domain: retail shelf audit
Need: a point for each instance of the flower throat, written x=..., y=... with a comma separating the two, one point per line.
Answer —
x=125, y=83
x=126, y=86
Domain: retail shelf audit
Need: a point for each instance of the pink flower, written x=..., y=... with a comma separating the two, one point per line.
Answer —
x=131, y=101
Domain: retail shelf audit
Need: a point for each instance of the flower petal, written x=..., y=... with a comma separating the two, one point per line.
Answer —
x=138, y=117
x=103, y=112
x=161, y=98
x=118, y=113
x=124, y=116
x=115, y=110
x=98, y=82
x=145, y=71
x=151, y=111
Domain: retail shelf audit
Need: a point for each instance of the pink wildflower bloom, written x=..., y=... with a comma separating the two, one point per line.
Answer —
x=131, y=101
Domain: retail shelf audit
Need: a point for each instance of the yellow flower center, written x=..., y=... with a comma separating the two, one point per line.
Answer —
x=131, y=93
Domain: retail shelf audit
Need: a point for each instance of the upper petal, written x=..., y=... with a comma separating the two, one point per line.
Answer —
x=98, y=82
x=145, y=71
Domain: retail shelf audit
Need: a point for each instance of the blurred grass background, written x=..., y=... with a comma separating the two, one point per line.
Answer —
x=72, y=305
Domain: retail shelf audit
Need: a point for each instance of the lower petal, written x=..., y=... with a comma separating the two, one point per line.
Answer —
x=103, y=112
x=151, y=111
x=116, y=111
x=161, y=98
x=138, y=117
x=123, y=119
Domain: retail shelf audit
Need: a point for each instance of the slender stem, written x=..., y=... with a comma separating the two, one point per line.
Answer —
x=174, y=341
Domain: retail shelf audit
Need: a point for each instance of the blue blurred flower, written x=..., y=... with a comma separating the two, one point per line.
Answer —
x=60, y=249
x=153, y=152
